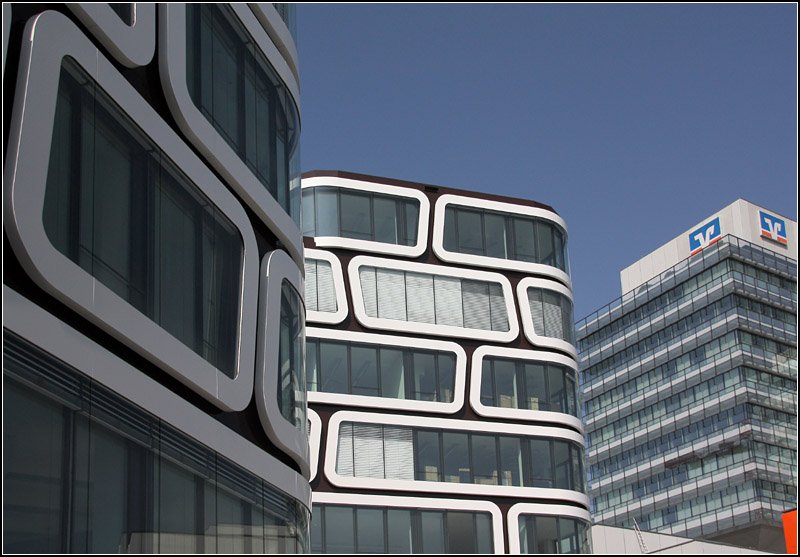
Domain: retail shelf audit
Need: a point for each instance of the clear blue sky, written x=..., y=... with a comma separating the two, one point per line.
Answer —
x=633, y=121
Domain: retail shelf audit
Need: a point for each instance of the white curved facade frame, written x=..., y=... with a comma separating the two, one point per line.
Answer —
x=494, y=262
x=384, y=403
x=277, y=30
x=395, y=502
x=527, y=319
x=520, y=509
x=430, y=328
x=276, y=266
x=331, y=452
x=202, y=134
x=49, y=37
x=329, y=317
x=556, y=418
x=59, y=339
x=132, y=45
x=314, y=441
x=382, y=189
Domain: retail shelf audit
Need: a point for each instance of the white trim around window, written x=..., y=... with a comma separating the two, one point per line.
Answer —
x=527, y=319
x=395, y=502
x=276, y=266
x=49, y=38
x=314, y=441
x=557, y=418
x=202, y=134
x=384, y=403
x=494, y=262
x=278, y=31
x=538, y=509
x=328, y=317
x=496, y=428
x=382, y=189
x=132, y=45
x=430, y=328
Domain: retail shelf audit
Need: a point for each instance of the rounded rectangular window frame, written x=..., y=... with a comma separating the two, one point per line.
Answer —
x=50, y=38
x=383, y=403
x=279, y=32
x=202, y=134
x=494, y=262
x=527, y=318
x=520, y=509
x=434, y=329
x=131, y=45
x=446, y=424
x=415, y=503
x=276, y=267
x=382, y=189
x=329, y=317
x=556, y=418
x=314, y=441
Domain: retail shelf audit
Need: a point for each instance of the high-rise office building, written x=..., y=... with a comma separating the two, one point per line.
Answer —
x=442, y=380
x=153, y=320
x=690, y=384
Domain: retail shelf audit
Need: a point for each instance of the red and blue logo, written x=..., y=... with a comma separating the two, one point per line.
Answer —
x=773, y=228
x=707, y=235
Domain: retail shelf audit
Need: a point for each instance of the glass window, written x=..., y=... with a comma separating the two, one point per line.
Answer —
x=461, y=532
x=483, y=533
x=333, y=367
x=235, y=87
x=544, y=243
x=556, y=386
x=562, y=465
x=327, y=206
x=307, y=220
x=546, y=534
x=449, y=241
x=399, y=531
x=495, y=233
x=487, y=383
x=510, y=461
x=535, y=381
x=524, y=240
x=427, y=456
x=455, y=447
x=424, y=376
x=339, y=530
x=484, y=459
x=124, y=213
x=312, y=371
x=364, y=370
x=393, y=382
x=356, y=221
x=291, y=358
x=370, y=530
x=385, y=218
x=411, y=209
x=470, y=232
x=541, y=463
x=432, y=532
x=447, y=376
x=505, y=378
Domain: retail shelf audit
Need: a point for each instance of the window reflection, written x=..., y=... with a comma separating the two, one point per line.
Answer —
x=526, y=385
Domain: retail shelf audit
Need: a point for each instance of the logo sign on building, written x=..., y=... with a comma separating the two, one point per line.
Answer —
x=773, y=228
x=707, y=235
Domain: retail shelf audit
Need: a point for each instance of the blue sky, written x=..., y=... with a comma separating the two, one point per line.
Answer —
x=633, y=121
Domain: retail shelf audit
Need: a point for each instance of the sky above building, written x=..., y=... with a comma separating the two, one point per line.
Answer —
x=634, y=122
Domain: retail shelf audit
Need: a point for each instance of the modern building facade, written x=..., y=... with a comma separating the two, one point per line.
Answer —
x=442, y=380
x=690, y=385
x=153, y=313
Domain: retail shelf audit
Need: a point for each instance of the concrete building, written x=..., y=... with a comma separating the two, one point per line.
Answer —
x=690, y=384
x=442, y=381
x=153, y=320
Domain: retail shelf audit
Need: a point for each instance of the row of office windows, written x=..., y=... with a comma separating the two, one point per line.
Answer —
x=346, y=529
x=705, y=392
x=118, y=207
x=679, y=330
x=781, y=357
x=716, y=465
x=378, y=370
x=481, y=232
x=700, y=429
x=346, y=213
x=111, y=478
x=523, y=384
x=402, y=453
x=291, y=358
x=238, y=91
x=435, y=299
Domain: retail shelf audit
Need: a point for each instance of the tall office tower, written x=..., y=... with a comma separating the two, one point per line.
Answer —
x=439, y=423
x=690, y=382
x=153, y=386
